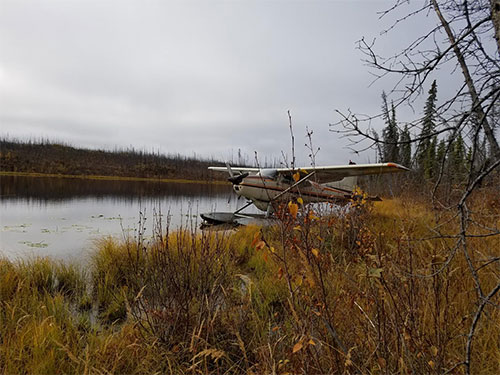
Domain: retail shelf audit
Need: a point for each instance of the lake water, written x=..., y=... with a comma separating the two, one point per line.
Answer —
x=63, y=217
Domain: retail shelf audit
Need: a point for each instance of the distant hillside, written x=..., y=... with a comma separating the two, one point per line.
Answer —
x=54, y=158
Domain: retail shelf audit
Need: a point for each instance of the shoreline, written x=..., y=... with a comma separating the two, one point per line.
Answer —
x=110, y=178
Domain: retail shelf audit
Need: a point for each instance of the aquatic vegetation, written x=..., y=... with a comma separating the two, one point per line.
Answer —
x=40, y=244
x=16, y=228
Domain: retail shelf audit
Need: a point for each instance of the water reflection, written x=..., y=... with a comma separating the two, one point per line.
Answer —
x=63, y=217
x=60, y=189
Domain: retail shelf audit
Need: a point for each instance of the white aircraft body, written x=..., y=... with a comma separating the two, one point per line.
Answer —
x=264, y=186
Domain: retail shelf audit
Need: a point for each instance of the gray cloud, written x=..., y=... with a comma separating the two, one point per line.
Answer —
x=185, y=77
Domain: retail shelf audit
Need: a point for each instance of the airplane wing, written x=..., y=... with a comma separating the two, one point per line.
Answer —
x=324, y=174
x=338, y=172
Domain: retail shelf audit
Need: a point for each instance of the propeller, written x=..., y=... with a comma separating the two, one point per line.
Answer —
x=235, y=179
x=230, y=171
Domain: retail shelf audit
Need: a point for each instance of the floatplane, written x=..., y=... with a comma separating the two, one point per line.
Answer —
x=265, y=187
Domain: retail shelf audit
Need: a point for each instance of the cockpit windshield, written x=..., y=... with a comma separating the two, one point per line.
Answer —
x=268, y=173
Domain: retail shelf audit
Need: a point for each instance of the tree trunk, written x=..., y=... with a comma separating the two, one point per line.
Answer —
x=476, y=104
x=495, y=18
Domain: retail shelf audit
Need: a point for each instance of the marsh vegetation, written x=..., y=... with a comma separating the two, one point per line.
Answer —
x=369, y=290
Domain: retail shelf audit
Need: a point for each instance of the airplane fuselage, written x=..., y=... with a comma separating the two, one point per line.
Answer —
x=263, y=186
x=263, y=190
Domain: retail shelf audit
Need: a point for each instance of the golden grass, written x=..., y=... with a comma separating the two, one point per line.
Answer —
x=360, y=293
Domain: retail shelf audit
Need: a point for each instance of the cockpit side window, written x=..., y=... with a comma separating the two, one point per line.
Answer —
x=268, y=173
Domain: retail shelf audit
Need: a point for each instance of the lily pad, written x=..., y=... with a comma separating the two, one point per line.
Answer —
x=40, y=244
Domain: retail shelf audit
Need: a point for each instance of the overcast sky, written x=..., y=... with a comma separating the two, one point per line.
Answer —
x=204, y=77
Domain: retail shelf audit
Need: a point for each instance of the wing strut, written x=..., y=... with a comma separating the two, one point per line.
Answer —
x=242, y=208
x=295, y=184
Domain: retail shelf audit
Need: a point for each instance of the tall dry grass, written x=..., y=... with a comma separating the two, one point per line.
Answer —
x=371, y=290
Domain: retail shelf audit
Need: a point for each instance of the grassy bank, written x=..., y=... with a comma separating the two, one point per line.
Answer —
x=110, y=178
x=372, y=291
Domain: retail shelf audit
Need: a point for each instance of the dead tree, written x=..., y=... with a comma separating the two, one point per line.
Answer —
x=464, y=41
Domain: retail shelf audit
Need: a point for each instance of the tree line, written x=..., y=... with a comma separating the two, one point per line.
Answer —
x=44, y=156
x=430, y=156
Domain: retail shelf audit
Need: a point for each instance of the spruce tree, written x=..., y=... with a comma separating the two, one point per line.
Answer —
x=380, y=151
x=390, y=133
x=440, y=155
x=430, y=160
x=426, y=150
x=405, y=149
x=458, y=161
